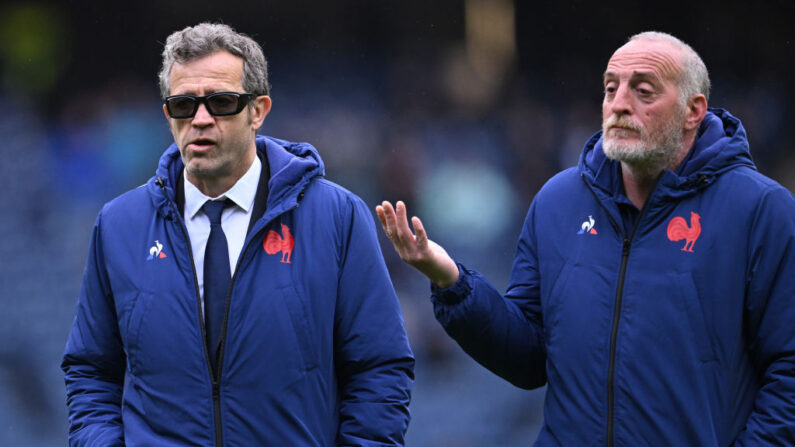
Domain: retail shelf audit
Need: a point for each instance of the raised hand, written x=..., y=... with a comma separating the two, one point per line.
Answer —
x=415, y=248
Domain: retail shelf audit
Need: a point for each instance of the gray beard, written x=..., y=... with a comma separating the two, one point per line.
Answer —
x=652, y=154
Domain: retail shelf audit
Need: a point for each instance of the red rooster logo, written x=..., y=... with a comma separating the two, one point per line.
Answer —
x=678, y=230
x=274, y=243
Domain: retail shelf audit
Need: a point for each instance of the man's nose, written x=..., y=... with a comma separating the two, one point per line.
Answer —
x=202, y=117
x=621, y=103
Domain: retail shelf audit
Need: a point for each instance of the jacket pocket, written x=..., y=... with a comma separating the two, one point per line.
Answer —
x=300, y=324
x=137, y=315
x=552, y=299
x=694, y=312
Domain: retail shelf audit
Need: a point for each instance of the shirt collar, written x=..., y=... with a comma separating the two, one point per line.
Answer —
x=242, y=193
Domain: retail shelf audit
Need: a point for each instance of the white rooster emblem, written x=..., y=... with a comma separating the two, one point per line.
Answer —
x=588, y=226
x=156, y=251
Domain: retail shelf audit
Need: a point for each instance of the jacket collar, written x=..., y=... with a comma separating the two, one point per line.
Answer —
x=721, y=145
x=260, y=197
x=287, y=168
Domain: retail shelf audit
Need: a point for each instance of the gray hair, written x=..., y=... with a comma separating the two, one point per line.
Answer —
x=693, y=78
x=196, y=42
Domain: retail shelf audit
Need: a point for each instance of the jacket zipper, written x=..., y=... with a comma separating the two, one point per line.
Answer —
x=216, y=382
x=216, y=386
x=613, y=336
x=625, y=250
x=222, y=338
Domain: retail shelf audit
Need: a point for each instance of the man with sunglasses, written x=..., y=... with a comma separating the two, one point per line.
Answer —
x=238, y=298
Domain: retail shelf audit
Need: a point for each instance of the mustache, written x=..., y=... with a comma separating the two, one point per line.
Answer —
x=622, y=123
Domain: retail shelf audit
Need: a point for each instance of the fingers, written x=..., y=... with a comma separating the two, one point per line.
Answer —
x=386, y=214
x=381, y=213
x=403, y=230
x=419, y=233
x=414, y=247
x=395, y=223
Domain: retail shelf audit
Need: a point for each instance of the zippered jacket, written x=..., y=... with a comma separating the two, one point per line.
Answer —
x=313, y=348
x=674, y=329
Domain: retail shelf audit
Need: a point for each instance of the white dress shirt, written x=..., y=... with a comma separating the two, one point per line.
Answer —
x=234, y=220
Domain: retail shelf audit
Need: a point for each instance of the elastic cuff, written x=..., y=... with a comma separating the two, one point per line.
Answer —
x=455, y=293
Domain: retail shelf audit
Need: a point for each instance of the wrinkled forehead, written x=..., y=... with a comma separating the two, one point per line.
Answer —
x=219, y=70
x=644, y=56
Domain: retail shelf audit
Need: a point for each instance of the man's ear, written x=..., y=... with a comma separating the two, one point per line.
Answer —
x=695, y=111
x=262, y=106
x=169, y=121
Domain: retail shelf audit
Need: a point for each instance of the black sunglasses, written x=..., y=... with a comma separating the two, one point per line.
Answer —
x=218, y=104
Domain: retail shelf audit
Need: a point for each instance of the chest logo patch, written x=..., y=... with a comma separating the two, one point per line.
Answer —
x=678, y=229
x=156, y=252
x=275, y=243
x=587, y=227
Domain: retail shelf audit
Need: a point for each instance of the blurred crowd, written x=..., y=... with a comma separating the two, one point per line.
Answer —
x=466, y=150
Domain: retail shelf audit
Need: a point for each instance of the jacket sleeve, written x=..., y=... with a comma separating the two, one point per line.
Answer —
x=375, y=366
x=505, y=334
x=94, y=362
x=770, y=319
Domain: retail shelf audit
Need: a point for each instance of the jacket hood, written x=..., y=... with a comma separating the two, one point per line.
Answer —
x=292, y=166
x=721, y=145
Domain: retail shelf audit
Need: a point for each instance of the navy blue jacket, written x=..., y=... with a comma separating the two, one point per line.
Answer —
x=677, y=329
x=314, y=351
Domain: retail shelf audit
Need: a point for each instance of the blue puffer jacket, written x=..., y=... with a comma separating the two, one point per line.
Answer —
x=676, y=331
x=314, y=351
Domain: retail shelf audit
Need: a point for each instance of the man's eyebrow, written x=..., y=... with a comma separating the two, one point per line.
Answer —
x=638, y=75
x=645, y=75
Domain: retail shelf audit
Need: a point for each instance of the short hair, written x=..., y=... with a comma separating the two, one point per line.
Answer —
x=196, y=42
x=693, y=77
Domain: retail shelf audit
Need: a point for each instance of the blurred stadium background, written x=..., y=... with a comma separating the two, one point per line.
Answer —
x=461, y=108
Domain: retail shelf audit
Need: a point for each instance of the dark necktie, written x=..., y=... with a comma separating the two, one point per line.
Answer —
x=217, y=277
